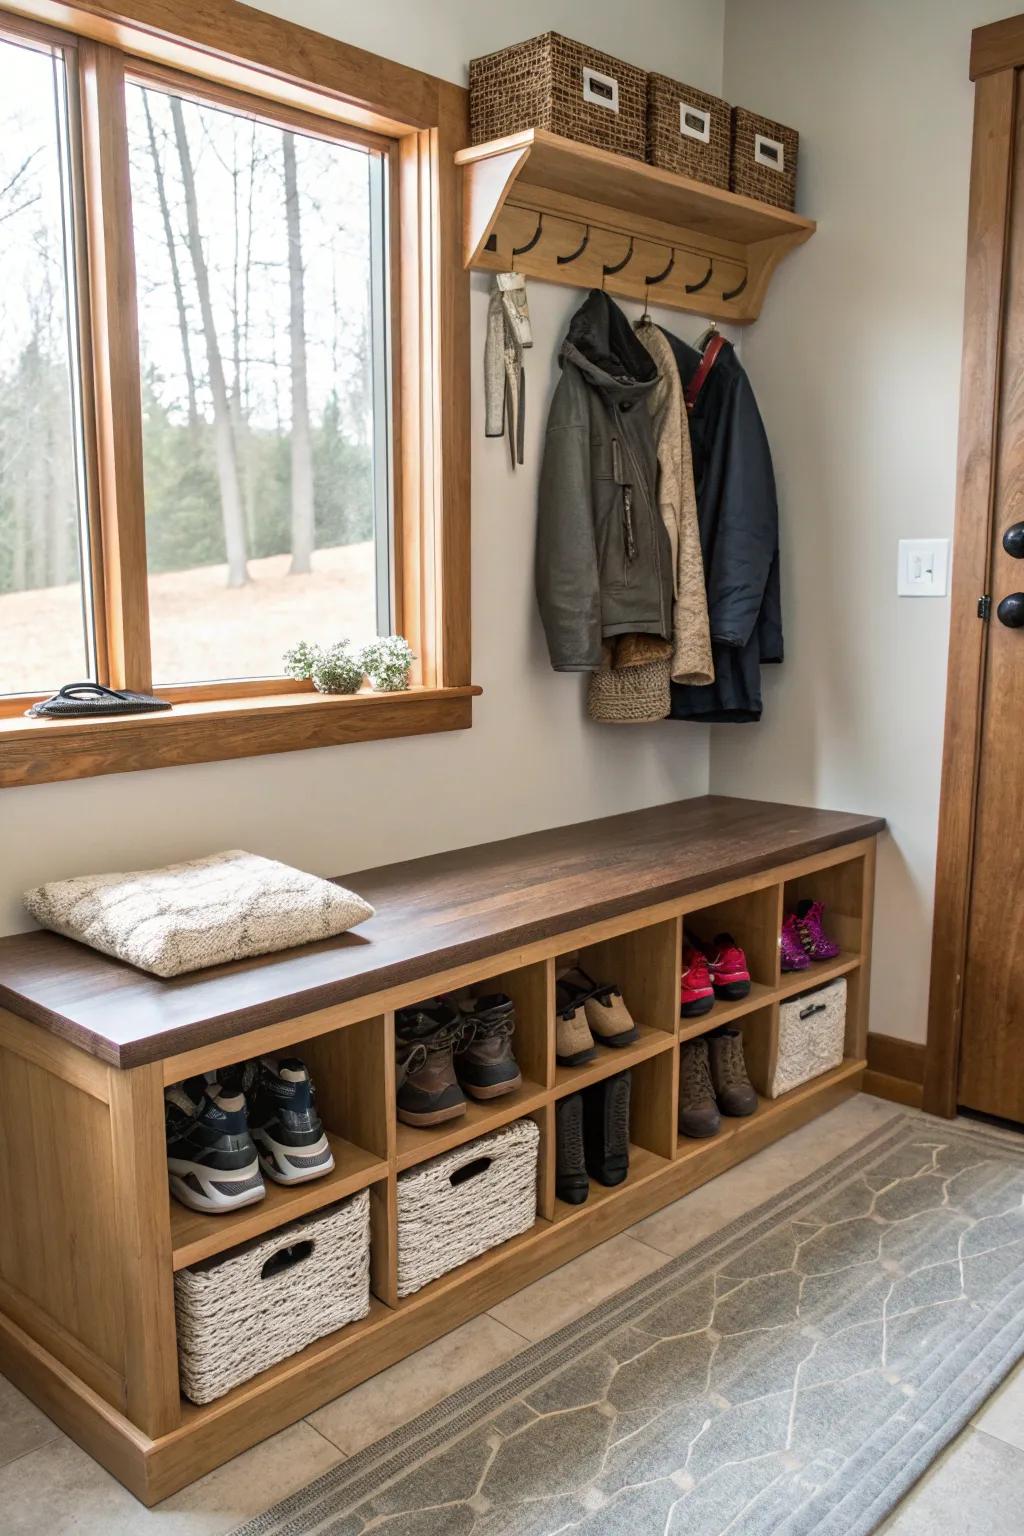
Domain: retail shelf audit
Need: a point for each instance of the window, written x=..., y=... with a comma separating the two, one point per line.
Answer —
x=233, y=385
x=259, y=252
x=45, y=601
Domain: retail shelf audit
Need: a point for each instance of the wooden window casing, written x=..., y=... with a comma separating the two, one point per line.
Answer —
x=227, y=54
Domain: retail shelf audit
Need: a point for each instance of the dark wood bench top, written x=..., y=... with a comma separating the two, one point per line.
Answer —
x=432, y=913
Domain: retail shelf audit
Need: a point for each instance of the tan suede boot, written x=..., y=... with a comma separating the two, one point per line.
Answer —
x=574, y=1044
x=610, y=1021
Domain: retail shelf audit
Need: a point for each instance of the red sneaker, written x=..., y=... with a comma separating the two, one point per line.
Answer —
x=696, y=994
x=728, y=966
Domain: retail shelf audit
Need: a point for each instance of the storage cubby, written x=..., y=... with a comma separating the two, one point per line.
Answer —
x=349, y=1068
x=754, y=920
x=653, y=1103
x=531, y=990
x=644, y=964
x=759, y=1028
x=614, y=897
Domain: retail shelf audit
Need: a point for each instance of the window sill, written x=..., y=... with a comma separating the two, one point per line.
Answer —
x=211, y=730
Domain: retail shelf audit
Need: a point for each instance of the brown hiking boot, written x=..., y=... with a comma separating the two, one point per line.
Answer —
x=574, y=1044
x=484, y=1063
x=425, y=1037
x=610, y=1021
x=698, y=1112
x=733, y=1088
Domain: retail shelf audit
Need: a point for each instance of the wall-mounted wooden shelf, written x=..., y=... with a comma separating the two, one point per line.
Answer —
x=511, y=183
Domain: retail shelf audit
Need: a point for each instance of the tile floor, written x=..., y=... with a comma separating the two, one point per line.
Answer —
x=48, y=1485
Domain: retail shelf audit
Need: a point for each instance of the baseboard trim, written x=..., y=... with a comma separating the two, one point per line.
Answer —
x=895, y=1070
x=895, y=1088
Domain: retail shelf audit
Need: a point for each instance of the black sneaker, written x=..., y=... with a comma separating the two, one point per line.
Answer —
x=211, y=1159
x=484, y=1063
x=606, y=1129
x=571, y=1182
x=284, y=1123
x=425, y=1039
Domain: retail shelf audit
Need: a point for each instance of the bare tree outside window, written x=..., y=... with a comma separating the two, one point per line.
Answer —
x=44, y=616
x=254, y=253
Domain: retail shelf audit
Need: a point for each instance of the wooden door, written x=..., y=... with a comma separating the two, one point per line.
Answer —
x=991, y=1077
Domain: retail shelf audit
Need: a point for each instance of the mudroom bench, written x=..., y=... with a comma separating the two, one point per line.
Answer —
x=90, y=1239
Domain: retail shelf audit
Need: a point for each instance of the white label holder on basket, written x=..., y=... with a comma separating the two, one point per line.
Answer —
x=600, y=90
x=694, y=122
x=769, y=152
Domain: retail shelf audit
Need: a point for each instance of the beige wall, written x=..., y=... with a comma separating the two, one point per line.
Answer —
x=856, y=364
x=441, y=36
x=532, y=759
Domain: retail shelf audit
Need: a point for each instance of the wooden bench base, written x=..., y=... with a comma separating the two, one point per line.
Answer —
x=91, y=1238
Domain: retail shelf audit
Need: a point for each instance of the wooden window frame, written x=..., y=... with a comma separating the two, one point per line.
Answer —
x=227, y=53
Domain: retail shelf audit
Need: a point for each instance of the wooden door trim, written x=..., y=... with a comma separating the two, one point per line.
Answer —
x=984, y=304
x=996, y=47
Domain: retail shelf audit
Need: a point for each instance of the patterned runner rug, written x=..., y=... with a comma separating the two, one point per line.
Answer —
x=791, y=1376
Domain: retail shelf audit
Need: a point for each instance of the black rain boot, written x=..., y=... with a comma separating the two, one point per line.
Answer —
x=571, y=1182
x=606, y=1129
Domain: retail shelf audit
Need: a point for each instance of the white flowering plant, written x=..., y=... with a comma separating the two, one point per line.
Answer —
x=337, y=669
x=387, y=662
x=300, y=660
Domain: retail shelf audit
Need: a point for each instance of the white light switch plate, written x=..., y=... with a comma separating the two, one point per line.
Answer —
x=923, y=568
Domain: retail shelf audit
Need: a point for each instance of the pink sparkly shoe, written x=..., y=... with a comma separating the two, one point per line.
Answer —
x=810, y=925
x=794, y=957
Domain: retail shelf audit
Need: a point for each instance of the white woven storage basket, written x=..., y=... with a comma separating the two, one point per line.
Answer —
x=464, y=1202
x=812, y=1029
x=243, y=1311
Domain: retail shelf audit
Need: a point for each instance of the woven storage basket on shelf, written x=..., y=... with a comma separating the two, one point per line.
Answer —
x=243, y=1311
x=812, y=1029
x=764, y=155
x=464, y=1202
x=565, y=87
x=688, y=131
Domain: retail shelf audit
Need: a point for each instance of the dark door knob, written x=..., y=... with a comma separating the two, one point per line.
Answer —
x=1011, y=611
x=1013, y=541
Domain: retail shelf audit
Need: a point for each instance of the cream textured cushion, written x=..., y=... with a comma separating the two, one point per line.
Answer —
x=202, y=912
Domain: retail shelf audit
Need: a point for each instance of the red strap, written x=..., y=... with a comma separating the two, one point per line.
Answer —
x=707, y=362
